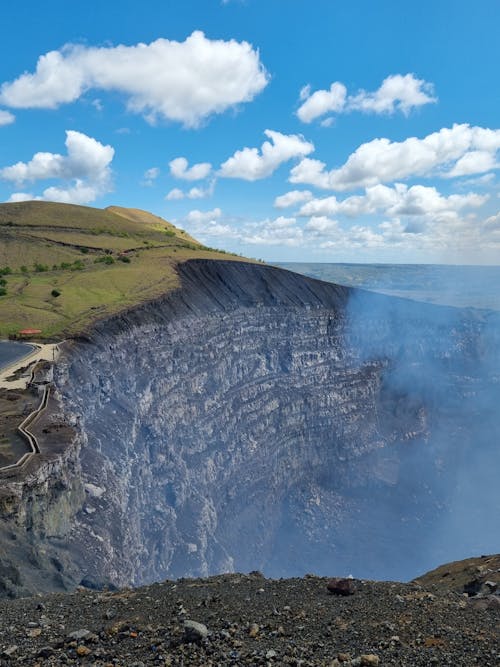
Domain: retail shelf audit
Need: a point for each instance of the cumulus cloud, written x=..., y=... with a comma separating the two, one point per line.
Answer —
x=179, y=169
x=473, y=162
x=214, y=227
x=174, y=194
x=397, y=93
x=20, y=196
x=321, y=225
x=6, y=118
x=279, y=231
x=85, y=170
x=252, y=164
x=382, y=160
x=180, y=81
x=291, y=198
x=200, y=193
x=419, y=221
x=197, y=217
x=192, y=193
x=150, y=176
x=321, y=102
x=399, y=200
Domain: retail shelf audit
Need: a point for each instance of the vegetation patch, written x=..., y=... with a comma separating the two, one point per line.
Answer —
x=62, y=267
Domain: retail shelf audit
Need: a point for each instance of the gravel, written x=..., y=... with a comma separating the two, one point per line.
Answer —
x=249, y=620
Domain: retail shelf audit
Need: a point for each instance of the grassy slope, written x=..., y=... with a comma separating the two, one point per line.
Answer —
x=49, y=234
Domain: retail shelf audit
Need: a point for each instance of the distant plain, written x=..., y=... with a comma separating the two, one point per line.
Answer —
x=451, y=285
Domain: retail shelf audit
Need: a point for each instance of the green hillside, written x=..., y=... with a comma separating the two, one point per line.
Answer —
x=64, y=266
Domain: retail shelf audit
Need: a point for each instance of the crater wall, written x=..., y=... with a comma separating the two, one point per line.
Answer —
x=258, y=419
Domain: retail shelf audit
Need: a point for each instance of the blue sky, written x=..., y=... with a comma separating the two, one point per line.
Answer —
x=280, y=129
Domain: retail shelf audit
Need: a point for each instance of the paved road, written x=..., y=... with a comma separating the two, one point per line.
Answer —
x=11, y=352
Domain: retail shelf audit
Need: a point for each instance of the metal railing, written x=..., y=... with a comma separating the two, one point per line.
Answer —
x=27, y=435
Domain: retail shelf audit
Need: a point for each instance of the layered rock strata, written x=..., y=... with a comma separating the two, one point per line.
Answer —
x=257, y=419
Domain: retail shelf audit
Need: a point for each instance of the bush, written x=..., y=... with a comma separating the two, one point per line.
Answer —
x=55, y=293
x=169, y=232
x=84, y=251
x=24, y=269
x=107, y=259
x=3, y=282
x=3, y=291
x=40, y=268
x=5, y=271
x=125, y=259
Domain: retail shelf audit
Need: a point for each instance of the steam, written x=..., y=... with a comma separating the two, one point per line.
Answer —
x=441, y=365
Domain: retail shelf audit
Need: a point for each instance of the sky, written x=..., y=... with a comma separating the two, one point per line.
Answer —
x=285, y=130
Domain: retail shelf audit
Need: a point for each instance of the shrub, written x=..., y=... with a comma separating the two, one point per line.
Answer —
x=125, y=259
x=84, y=251
x=55, y=293
x=40, y=268
x=3, y=291
x=5, y=271
x=24, y=269
x=106, y=259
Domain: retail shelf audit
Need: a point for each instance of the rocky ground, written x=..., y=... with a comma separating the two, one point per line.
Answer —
x=250, y=620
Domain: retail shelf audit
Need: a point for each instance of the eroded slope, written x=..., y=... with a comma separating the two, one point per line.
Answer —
x=258, y=419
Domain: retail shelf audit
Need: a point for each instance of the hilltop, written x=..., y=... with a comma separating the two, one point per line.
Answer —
x=63, y=266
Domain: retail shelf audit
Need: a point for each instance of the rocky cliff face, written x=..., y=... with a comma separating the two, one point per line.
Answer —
x=257, y=419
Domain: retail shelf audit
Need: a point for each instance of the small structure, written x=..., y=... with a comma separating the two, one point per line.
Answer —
x=29, y=332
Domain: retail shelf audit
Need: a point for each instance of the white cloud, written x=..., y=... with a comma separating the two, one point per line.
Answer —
x=321, y=102
x=6, y=118
x=311, y=172
x=279, y=231
x=174, y=194
x=420, y=222
x=321, y=225
x=473, y=162
x=417, y=200
x=150, y=176
x=201, y=193
x=291, y=198
x=197, y=217
x=213, y=226
x=80, y=193
x=85, y=170
x=382, y=160
x=20, y=196
x=396, y=93
x=192, y=193
x=180, y=81
x=152, y=173
x=251, y=164
x=179, y=169
x=493, y=223
x=478, y=181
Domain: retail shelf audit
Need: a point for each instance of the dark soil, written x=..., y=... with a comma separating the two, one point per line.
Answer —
x=250, y=620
